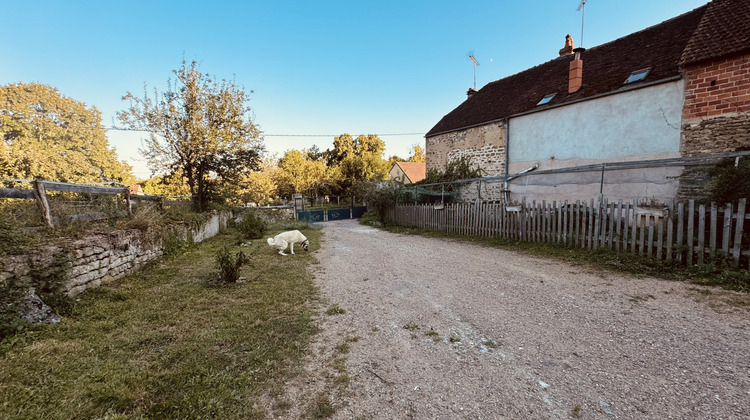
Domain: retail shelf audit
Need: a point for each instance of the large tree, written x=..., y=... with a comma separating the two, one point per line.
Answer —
x=359, y=159
x=200, y=127
x=46, y=135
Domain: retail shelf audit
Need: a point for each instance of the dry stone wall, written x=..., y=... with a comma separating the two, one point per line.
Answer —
x=101, y=257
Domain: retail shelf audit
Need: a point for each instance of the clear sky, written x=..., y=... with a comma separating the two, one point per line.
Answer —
x=315, y=67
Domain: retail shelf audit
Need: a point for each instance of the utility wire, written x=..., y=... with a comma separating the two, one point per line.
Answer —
x=279, y=135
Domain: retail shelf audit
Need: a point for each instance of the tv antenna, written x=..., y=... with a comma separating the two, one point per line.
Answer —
x=582, y=9
x=474, y=60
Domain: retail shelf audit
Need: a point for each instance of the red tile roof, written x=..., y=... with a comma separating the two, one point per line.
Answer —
x=414, y=171
x=724, y=30
x=605, y=69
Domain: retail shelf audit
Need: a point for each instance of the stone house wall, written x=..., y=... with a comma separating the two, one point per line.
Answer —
x=485, y=145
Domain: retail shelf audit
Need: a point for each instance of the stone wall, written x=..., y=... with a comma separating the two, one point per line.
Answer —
x=485, y=145
x=101, y=257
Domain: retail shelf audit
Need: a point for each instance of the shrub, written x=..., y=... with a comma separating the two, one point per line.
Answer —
x=252, y=226
x=229, y=265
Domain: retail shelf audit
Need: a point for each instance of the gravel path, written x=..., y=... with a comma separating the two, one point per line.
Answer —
x=442, y=329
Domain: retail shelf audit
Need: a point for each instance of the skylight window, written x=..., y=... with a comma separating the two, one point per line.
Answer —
x=637, y=75
x=546, y=99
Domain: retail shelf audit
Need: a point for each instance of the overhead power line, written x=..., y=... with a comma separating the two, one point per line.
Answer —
x=282, y=135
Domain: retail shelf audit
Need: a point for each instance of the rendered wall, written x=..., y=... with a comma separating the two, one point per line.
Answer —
x=640, y=124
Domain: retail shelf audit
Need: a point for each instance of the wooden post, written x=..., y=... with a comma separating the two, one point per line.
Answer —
x=690, y=231
x=40, y=195
x=727, y=231
x=701, y=232
x=737, y=251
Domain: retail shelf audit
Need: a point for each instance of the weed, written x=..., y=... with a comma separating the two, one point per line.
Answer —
x=251, y=226
x=229, y=266
x=323, y=407
x=454, y=339
x=353, y=339
x=375, y=329
x=335, y=310
x=343, y=348
x=638, y=298
x=411, y=326
x=433, y=334
x=489, y=344
x=575, y=412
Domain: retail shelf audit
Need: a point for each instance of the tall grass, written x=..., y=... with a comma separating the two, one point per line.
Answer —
x=165, y=343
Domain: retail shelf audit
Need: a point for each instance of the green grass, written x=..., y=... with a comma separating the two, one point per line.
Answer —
x=717, y=274
x=164, y=343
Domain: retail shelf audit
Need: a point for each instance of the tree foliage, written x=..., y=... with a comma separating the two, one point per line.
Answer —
x=298, y=174
x=200, y=127
x=417, y=154
x=46, y=135
x=359, y=159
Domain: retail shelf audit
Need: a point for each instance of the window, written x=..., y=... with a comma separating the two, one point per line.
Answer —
x=637, y=75
x=546, y=99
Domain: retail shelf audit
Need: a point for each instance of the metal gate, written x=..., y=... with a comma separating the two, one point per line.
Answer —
x=327, y=208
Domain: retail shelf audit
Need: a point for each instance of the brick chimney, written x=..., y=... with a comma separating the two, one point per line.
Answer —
x=568, y=48
x=575, y=74
x=470, y=93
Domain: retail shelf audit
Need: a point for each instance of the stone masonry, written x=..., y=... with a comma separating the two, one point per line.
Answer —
x=485, y=145
x=101, y=257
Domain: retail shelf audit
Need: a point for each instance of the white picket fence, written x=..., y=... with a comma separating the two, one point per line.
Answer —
x=688, y=234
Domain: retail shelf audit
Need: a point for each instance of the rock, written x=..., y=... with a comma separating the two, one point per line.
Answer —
x=34, y=311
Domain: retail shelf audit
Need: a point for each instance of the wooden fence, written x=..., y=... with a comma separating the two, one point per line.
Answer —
x=688, y=234
x=39, y=189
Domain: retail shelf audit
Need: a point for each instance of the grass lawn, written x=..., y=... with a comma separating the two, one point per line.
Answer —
x=166, y=342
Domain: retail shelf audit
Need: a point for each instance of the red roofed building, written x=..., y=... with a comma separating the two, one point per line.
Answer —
x=674, y=90
x=408, y=172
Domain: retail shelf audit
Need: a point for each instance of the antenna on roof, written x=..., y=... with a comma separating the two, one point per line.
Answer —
x=474, y=60
x=582, y=9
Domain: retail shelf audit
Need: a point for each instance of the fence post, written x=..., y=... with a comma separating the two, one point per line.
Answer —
x=40, y=195
x=737, y=251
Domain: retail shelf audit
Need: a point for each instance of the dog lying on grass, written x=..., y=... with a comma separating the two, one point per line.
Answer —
x=288, y=239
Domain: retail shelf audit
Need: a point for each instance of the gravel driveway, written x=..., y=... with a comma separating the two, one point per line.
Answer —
x=442, y=329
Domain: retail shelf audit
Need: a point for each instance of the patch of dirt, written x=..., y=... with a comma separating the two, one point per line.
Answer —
x=442, y=329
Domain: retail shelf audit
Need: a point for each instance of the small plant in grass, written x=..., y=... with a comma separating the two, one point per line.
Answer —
x=229, y=265
x=252, y=226
x=335, y=310
x=353, y=339
x=454, y=339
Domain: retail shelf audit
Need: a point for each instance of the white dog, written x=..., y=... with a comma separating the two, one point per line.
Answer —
x=284, y=239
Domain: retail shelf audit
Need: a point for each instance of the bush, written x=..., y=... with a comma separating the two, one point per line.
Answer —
x=729, y=182
x=252, y=226
x=229, y=265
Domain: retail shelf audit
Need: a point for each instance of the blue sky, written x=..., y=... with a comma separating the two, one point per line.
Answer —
x=315, y=67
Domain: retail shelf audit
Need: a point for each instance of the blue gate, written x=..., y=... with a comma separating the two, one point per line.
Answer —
x=324, y=209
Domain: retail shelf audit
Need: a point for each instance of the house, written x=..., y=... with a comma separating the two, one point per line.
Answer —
x=618, y=119
x=135, y=189
x=408, y=172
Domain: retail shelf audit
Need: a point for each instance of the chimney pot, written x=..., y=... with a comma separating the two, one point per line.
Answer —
x=568, y=48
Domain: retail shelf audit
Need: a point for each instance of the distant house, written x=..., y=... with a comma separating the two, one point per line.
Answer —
x=408, y=172
x=677, y=89
x=135, y=189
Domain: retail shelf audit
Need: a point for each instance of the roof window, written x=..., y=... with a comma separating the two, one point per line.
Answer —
x=546, y=99
x=637, y=75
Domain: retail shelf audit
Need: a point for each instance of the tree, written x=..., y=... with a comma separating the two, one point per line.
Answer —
x=299, y=174
x=200, y=127
x=417, y=154
x=358, y=160
x=46, y=135
x=260, y=186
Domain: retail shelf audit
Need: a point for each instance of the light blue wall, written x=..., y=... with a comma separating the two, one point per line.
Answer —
x=643, y=123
